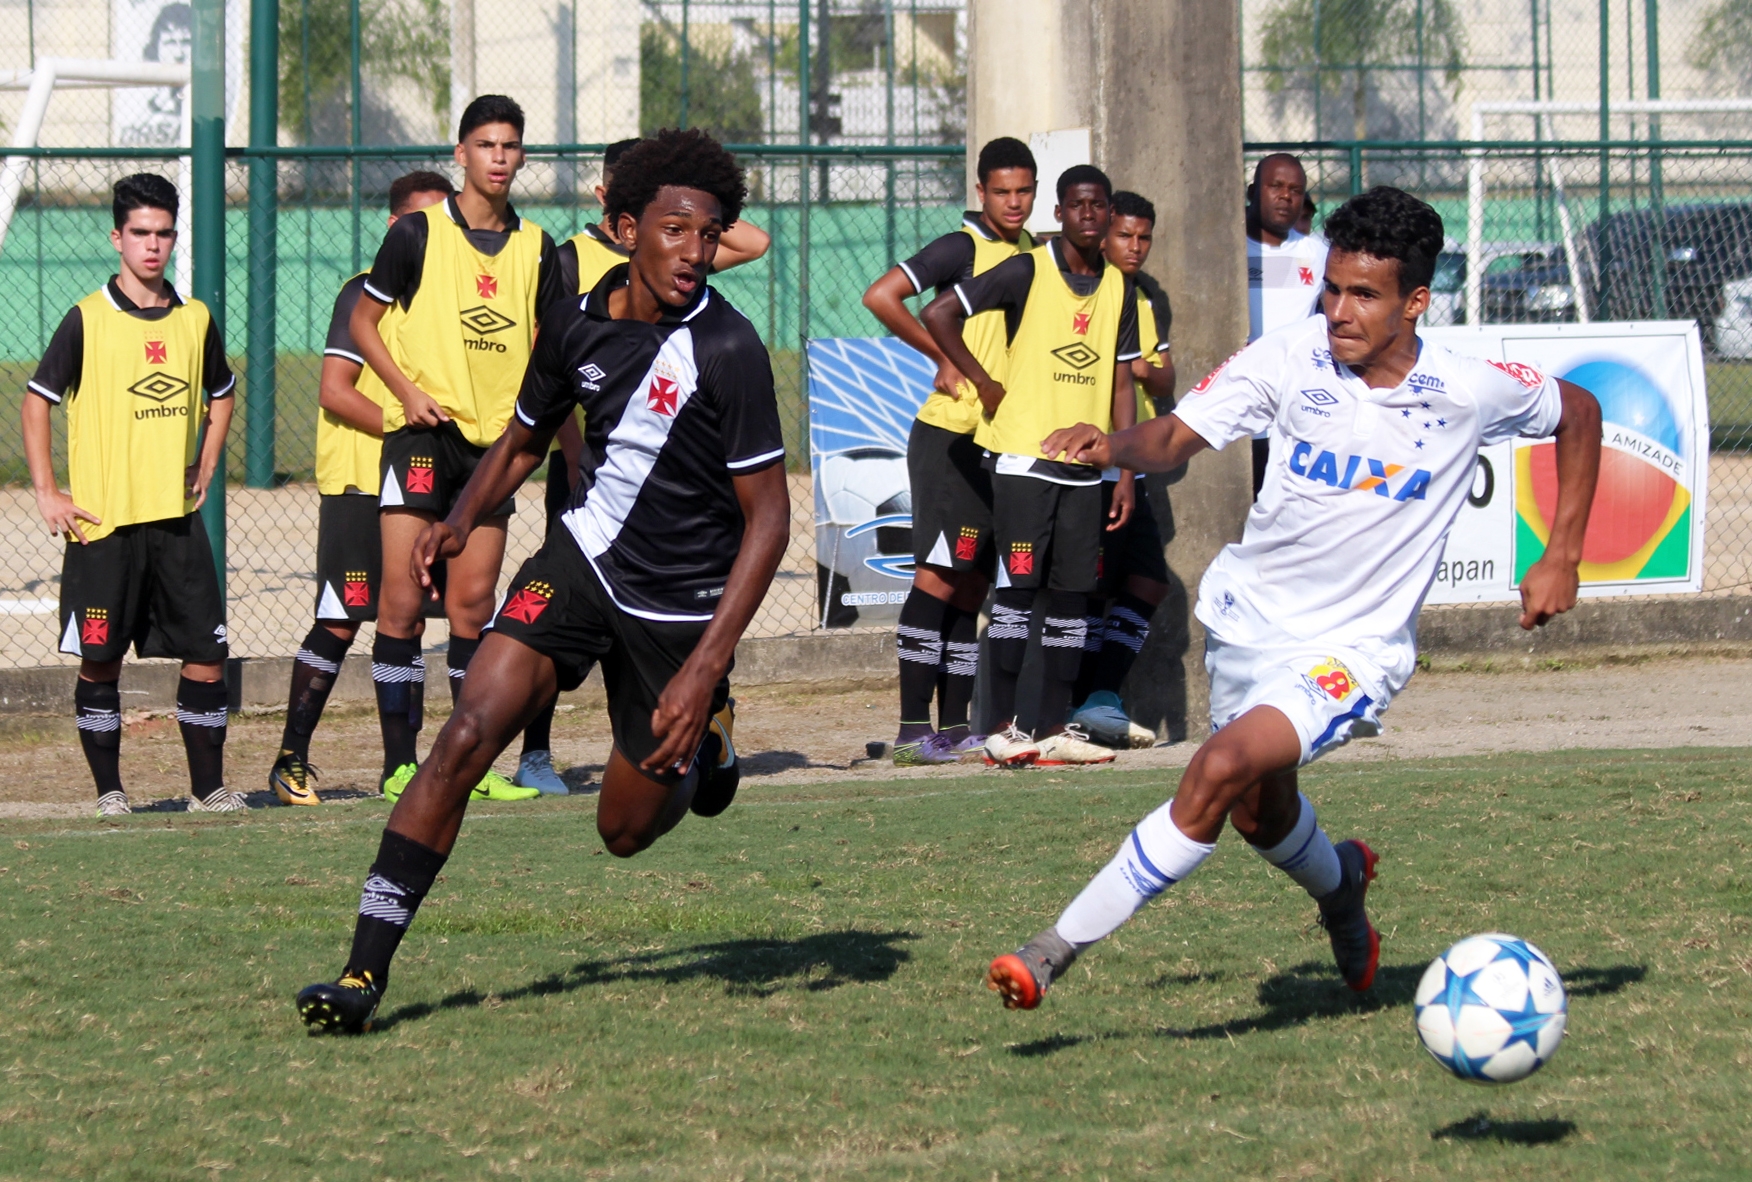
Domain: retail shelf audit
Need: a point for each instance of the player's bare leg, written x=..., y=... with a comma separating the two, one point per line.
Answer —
x=1245, y=774
x=635, y=809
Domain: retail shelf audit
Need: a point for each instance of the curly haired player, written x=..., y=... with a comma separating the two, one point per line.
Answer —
x=669, y=545
x=1311, y=619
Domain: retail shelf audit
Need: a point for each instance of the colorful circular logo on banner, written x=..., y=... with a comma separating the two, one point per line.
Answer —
x=1640, y=525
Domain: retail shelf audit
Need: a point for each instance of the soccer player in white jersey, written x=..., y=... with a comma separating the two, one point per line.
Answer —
x=1284, y=262
x=1311, y=619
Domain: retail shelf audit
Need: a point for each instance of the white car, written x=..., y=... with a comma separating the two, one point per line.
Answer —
x=1733, y=326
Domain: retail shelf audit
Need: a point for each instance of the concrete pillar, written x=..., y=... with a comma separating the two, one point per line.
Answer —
x=1158, y=85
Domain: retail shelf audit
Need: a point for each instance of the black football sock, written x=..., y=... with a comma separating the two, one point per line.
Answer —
x=462, y=651
x=1128, y=626
x=201, y=713
x=97, y=708
x=399, y=879
x=1092, y=632
x=399, y=674
x=314, y=670
x=1061, y=644
x=1007, y=639
x=918, y=640
x=960, y=668
x=539, y=734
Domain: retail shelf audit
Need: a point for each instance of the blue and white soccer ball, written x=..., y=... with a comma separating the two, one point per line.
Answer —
x=1491, y=1009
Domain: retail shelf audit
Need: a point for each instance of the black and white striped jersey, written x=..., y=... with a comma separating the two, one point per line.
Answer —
x=672, y=411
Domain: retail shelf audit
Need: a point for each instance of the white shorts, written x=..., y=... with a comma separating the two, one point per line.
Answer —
x=1330, y=695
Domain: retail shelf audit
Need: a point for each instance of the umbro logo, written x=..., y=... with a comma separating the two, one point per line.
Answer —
x=484, y=320
x=1320, y=397
x=590, y=376
x=1077, y=355
x=159, y=387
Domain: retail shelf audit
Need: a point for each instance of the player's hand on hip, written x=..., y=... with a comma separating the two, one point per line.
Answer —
x=63, y=516
x=683, y=709
x=1548, y=589
x=949, y=379
x=1082, y=444
x=422, y=410
x=991, y=396
x=1125, y=502
x=437, y=543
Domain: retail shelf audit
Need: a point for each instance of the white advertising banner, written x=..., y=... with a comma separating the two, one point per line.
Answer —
x=1645, y=533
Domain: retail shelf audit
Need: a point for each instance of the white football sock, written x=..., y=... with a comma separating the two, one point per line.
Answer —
x=1156, y=855
x=1306, y=855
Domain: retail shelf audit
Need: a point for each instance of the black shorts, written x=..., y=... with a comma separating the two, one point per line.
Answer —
x=349, y=558
x=1047, y=534
x=1134, y=550
x=558, y=607
x=425, y=468
x=951, y=500
x=151, y=585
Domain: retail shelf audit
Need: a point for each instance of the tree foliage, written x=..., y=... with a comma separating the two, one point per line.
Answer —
x=723, y=95
x=1722, y=45
x=400, y=40
x=1341, y=47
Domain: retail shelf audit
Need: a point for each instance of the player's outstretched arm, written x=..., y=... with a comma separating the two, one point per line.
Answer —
x=1550, y=585
x=886, y=298
x=57, y=508
x=1159, y=445
x=500, y=472
x=943, y=318
x=686, y=702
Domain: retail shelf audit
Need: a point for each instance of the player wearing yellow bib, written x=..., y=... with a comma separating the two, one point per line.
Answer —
x=936, y=637
x=349, y=551
x=130, y=364
x=582, y=261
x=470, y=278
x=1071, y=319
x=1132, y=572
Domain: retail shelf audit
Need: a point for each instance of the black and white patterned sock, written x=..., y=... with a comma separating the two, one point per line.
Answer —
x=461, y=652
x=201, y=708
x=918, y=642
x=314, y=670
x=396, y=885
x=398, y=672
x=97, y=710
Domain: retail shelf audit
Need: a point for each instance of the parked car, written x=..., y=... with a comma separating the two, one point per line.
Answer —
x=1704, y=248
x=1448, y=287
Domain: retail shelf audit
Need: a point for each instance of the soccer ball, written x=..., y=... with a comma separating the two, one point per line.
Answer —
x=1491, y=1009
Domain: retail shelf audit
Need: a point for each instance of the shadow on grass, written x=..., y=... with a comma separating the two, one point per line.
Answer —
x=1042, y=1047
x=1312, y=990
x=756, y=968
x=1480, y=1127
x=771, y=763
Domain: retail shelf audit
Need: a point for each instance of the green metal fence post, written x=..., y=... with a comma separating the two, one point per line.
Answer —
x=803, y=220
x=1356, y=169
x=207, y=211
x=357, y=90
x=1603, y=248
x=264, y=130
x=1657, y=193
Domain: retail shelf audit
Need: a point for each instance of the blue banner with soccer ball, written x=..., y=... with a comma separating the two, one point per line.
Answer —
x=863, y=395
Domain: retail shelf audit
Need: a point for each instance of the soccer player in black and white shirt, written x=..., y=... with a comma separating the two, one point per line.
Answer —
x=1311, y=619
x=669, y=545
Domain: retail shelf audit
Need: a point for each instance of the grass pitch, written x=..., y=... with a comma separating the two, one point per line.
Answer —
x=794, y=989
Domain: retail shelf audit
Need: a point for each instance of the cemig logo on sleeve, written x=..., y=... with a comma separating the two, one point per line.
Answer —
x=1324, y=468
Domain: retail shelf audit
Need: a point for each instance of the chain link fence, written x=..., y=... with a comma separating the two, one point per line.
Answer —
x=836, y=222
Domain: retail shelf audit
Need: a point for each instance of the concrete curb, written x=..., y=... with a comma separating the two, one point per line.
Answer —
x=1446, y=635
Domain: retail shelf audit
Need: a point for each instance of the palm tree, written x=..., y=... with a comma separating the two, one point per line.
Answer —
x=1341, y=45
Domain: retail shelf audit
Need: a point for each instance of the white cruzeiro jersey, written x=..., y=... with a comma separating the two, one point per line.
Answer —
x=1283, y=282
x=1363, y=485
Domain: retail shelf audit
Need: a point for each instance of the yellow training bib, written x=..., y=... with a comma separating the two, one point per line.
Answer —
x=467, y=337
x=1060, y=369
x=595, y=258
x=346, y=457
x=135, y=418
x=1147, y=341
x=984, y=336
